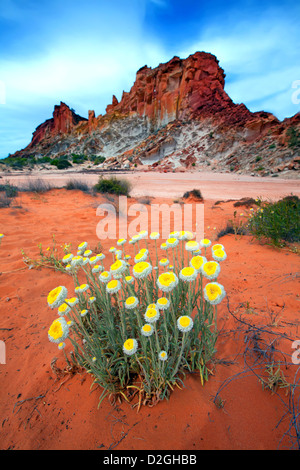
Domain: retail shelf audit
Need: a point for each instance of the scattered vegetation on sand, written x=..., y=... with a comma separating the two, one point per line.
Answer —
x=49, y=258
x=8, y=193
x=113, y=186
x=139, y=328
x=37, y=185
x=235, y=226
x=245, y=202
x=61, y=163
x=74, y=184
x=195, y=193
x=278, y=222
x=18, y=163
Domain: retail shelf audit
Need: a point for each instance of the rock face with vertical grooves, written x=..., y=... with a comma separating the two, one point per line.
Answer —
x=176, y=116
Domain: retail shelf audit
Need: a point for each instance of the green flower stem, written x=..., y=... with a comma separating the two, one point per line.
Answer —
x=149, y=298
x=166, y=330
x=216, y=315
x=189, y=299
x=122, y=317
x=156, y=337
x=66, y=358
x=156, y=254
x=145, y=373
x=180, y=356
x=173, y=317
x=173, y=254
x=177, y=258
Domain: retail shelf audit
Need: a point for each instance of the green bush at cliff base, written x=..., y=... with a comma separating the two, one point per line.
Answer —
x=113, y=186
x=277, y=222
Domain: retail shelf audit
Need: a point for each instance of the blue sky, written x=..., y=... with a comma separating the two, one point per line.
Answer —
x=83, y=52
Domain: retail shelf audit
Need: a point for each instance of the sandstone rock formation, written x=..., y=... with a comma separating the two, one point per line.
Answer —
x=63, y=121
x=176, y=116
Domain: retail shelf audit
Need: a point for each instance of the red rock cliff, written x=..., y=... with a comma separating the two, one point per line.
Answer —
x=178, y=89
x=62, y=122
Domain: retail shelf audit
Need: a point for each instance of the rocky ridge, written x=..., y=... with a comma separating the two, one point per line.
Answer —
x=176, y=116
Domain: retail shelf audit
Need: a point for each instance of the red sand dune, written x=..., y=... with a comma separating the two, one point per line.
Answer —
x=40, y=411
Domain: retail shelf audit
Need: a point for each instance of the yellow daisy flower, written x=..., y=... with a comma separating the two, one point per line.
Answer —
x=172, y=242
x=82, y=288
x=219, y=255
x=67, y=258
x=164, y=262
x=163, y=303
x=142, y=269
x=63, y=309
x=185, y=323
x=192, y=245
x=217, y=246
x=147, y=329
x=87, y=253
x=105, y=276
x=143, y=234
x=130, y=346
x=188, y=274
x=97, y=268
x=57, y=296
x=76, y=261
x=205, y=242
x=210, y=269
x=129, y=279
x=197, y=261
x=214, y=293
x=163, y=356
x=154, y=235
x=113, y=286
x=82, y=246
x=58, y=331
x=152, y=314
x=141, y=256
x=73, y=301
x=167, y=281
x=131, y=302
x=118, y=267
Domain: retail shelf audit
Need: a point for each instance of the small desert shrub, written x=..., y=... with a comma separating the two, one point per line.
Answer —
x=98, y=160
x=48, y=258
x=8, y=189
x=277, y=222
x=113, y=186
x=37, y=186
x=196, y=193
x=139, y=327
x=79, y=159
x=18, y=163
x=44, y=159
x=234, y=226
x=61, y=163
x=5, y=201
x=79, y=185
x=245, y=202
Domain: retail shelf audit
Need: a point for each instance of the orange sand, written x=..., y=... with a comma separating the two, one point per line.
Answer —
x=40, y=412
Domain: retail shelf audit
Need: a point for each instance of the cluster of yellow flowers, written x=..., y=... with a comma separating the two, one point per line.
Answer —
x=140, y=307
